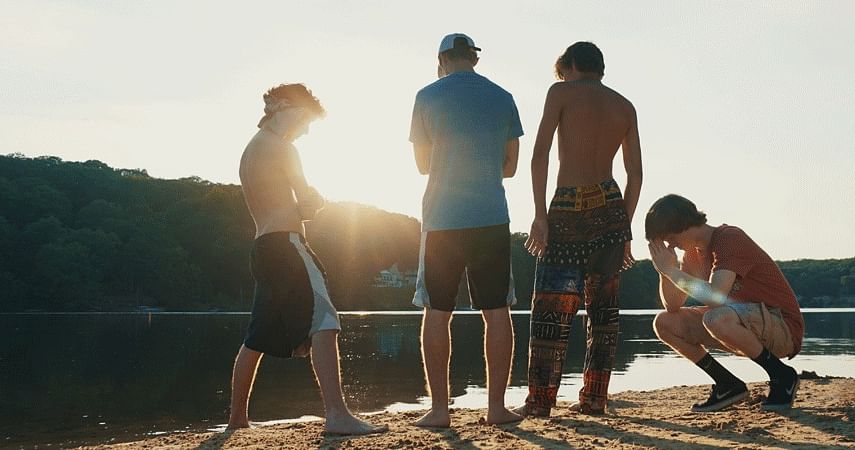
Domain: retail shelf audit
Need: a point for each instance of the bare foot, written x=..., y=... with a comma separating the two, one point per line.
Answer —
x=530, y=411
x=521, y=410
x=435, y=419
x=584, y=409
x=347, y=424
x=502, y=415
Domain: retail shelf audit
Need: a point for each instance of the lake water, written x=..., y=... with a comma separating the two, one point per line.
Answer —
x=69, y=379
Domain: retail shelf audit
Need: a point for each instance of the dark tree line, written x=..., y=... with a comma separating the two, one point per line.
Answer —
x=82, y=236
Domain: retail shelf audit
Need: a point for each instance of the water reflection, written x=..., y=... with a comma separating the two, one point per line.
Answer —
x=76, y=379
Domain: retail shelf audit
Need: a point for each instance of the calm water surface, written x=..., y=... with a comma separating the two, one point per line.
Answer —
x=85, y=378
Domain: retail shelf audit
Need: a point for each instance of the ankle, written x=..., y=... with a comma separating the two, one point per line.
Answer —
x=733, y=381
x=337, y=413
x=439, y=408
x=719, y=374
x=238, y=422
x=496, y=405
x=773, y=365
x=787, y=373
x=538, y=411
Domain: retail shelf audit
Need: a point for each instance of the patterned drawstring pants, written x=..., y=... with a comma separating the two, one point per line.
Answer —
x=588, y=229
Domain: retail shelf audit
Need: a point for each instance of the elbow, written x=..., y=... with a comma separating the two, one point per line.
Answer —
x=539, y=157
x=509, y=171
x=673, y=305
x=539, y=162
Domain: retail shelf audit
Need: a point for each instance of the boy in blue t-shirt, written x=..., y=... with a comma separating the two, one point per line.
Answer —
x=465, y=132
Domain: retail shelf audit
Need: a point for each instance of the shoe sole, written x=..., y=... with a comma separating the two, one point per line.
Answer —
x=722, y=404
x=783, y=406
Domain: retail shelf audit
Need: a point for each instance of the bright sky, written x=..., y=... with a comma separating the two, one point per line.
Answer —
x=747, y=108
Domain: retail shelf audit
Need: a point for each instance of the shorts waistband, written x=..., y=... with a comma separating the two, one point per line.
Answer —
x=581, y=198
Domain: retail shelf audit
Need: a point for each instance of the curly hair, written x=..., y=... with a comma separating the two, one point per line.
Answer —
x=671, y=214
x=585, y=56
x=299, y=95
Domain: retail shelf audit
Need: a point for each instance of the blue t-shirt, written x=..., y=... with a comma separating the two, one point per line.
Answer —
x=468, y=120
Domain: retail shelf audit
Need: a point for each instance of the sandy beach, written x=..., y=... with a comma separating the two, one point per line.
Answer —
x=822, y=418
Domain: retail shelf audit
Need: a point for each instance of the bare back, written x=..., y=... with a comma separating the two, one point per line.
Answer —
x=268, y=193
x=594, y=122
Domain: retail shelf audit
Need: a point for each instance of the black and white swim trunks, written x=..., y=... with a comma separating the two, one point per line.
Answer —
x=291, y=301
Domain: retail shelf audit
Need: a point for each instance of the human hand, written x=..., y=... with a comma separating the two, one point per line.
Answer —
x=537, y=237
x=309, y=202
x=664, y=257
x=628, y=259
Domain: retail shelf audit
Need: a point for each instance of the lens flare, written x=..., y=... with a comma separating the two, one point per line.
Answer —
x=703, y=292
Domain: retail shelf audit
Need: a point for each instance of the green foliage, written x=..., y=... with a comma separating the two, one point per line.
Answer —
x=84, y=236
x=355, y=242
x=639, y=287
x=817, y=277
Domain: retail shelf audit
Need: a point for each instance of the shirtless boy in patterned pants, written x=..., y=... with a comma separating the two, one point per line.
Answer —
x=582, y=241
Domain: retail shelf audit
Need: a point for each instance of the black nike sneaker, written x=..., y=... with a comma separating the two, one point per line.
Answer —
x=721, y=397
x=782, y=392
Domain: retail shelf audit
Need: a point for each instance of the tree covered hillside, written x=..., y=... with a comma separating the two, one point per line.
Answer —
x=84, y=236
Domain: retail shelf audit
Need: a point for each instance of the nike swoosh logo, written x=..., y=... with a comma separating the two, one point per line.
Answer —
x=721, y=396
x=790, y=390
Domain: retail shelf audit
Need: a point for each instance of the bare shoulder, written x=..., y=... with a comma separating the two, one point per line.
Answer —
x=624, y=102
x=263, y=154
x=560, y=88
x=560, y=93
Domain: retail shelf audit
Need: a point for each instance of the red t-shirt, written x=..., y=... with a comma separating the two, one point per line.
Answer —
x=758, y=278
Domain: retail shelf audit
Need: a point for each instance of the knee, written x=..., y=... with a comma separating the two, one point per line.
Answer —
x=321, y=338
x=720, y=320
x=437, y=315
x=664, y=324
x=500, y=313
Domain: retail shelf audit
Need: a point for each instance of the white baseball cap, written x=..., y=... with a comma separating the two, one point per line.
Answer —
x=449, y=40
